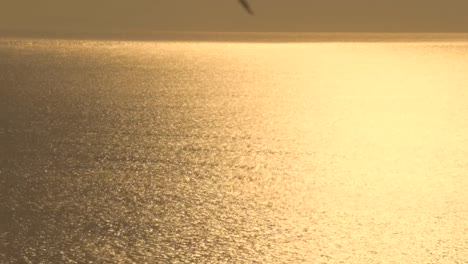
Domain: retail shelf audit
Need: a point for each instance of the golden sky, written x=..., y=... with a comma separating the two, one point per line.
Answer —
x=227, y=15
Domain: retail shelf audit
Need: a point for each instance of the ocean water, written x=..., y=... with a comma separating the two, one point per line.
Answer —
x=212, y=152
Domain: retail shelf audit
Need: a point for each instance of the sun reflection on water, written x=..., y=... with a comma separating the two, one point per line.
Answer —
x=236, y=152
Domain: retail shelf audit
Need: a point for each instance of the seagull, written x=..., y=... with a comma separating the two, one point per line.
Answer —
x=246, y=5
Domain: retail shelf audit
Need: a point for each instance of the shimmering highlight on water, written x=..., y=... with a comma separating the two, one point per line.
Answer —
x=166, y=152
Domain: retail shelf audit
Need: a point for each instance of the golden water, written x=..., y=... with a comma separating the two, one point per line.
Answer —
x=166, y=152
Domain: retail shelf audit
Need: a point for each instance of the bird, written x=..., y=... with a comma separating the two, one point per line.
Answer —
x=246, y=6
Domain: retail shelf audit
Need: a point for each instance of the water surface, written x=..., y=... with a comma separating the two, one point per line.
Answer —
x=167, y=152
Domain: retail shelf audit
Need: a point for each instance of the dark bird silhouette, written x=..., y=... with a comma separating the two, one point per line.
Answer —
x=247, y=7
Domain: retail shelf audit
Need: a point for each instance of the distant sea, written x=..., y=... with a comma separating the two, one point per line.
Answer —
x=234, y=148
x=256, y=37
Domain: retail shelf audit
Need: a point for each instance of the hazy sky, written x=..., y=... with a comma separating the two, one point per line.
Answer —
x=227, y=15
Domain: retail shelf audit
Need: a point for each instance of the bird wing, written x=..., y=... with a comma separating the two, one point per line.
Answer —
x=247, y=7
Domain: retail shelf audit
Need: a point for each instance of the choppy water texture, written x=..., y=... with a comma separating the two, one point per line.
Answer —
x=167, y=152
